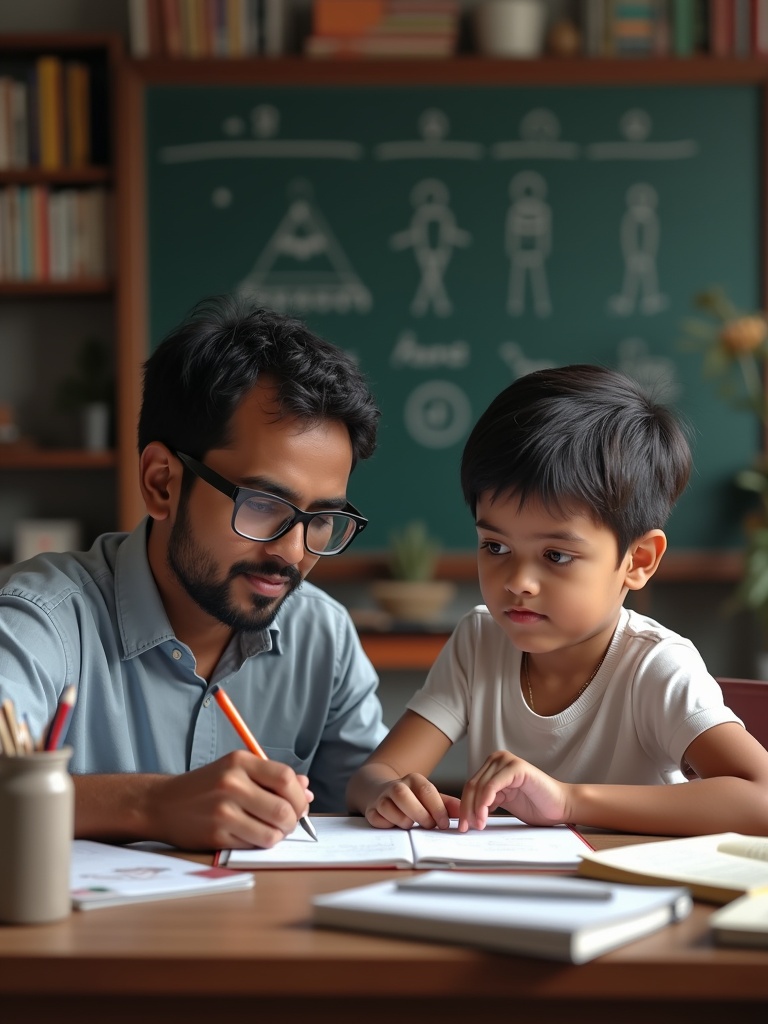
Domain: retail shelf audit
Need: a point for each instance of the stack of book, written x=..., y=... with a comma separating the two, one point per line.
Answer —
x=383, y=28
x=208, y=29
x=53, y=234
x=637, y=29
x=681, y=28
x=45, y=115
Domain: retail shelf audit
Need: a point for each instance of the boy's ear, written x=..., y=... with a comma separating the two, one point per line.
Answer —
x=160, y=479
x=645, y=554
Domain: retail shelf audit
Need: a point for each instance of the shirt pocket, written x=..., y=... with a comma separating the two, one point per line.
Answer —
x=286, y=755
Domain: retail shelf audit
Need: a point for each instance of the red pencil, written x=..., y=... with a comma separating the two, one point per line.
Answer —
x=245, y=734
x=60, y=719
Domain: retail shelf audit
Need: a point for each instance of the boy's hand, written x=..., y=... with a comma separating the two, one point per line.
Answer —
x=412, y=800
x=518, y=787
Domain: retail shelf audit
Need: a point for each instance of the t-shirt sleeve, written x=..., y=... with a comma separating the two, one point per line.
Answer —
x=446, y=696
x=676, y=700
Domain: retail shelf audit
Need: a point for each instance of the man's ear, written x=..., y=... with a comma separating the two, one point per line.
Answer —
x=644, y=555
x=160, y=475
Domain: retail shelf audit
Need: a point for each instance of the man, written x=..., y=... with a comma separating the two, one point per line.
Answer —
x=249, y=429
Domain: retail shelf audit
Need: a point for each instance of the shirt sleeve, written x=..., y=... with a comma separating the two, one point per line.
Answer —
x=354, y=726
x=35, y=663
x=675, y=700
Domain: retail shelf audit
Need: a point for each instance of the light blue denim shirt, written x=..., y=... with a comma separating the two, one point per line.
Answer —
x=96, y=619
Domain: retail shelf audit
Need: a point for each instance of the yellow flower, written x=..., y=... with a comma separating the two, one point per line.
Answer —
x=743, y=335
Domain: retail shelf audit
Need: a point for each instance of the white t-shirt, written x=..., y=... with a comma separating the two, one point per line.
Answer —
x=651, y=697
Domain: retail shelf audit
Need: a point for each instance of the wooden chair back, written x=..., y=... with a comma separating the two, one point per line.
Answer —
x=749, y=699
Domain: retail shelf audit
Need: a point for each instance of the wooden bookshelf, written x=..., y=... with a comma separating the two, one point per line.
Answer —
x=22, y=457
x=34, y=307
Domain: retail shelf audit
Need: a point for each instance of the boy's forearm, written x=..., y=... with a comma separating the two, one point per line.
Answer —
x=723, y=804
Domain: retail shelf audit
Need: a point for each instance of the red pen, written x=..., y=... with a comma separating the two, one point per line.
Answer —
x=60, y=719
x=250, y=741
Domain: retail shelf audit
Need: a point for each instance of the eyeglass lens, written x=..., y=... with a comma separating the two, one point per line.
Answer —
x=261, y=517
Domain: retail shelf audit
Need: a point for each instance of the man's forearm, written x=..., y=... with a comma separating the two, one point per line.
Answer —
x=114, y=808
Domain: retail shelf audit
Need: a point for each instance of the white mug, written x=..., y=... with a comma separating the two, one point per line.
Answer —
x=510, y=28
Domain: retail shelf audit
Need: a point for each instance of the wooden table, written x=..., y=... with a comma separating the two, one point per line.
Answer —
x=220, y=958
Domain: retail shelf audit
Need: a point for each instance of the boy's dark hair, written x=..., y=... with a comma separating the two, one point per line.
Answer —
x=199, y=373
x=580, y=438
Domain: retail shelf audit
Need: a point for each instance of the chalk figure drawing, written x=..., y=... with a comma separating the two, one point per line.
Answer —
x=303, y=268
x=516, y=360
x=639, y=234
x=528, y=243
x=433, y=235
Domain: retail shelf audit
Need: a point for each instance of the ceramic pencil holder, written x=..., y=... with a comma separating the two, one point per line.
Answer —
x=37, y=814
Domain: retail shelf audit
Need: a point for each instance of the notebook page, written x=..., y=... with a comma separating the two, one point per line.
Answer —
x=504, y=842
x=342, y=842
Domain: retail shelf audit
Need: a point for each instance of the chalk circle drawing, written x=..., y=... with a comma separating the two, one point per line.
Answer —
x=233, y=125
x=221, y=197
x=303, y=267
x=528, y=243
x=640, y=233
x=434, y=144
x=514, y=358
x=265, y=121
x=539, y=139
x=433, y=234
x=437, y=414
x=656, y=374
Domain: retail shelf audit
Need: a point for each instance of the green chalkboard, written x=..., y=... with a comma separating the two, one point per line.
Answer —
x=453, y=238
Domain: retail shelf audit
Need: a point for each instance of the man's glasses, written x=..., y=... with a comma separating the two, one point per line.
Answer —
x=260, y=516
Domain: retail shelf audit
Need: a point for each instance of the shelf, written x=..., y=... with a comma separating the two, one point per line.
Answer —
x=62, y=176
x=462, y=70
x=56, y=289
x=676, y=567
x=55, y=458
x=397, y=652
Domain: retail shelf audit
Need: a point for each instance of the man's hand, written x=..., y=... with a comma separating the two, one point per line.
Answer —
x=236, y=802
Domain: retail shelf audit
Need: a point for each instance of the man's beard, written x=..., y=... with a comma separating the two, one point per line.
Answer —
x=195, y=570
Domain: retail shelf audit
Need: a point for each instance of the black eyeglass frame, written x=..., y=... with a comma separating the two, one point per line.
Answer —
x=240, y=495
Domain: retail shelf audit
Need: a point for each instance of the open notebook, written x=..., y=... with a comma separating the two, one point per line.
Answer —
x=345, y=842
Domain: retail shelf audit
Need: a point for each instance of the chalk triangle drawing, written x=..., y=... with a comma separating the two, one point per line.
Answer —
x=303, y=268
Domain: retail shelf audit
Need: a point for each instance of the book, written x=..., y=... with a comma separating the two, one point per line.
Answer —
x=50, y=117
x=716, y=868
x=346, y=842
x=744, y=922
x=512, y=915
x=109, y=876
x=760, y=28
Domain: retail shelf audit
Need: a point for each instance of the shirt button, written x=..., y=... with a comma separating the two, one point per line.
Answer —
x=206, y=702
x=176, y=654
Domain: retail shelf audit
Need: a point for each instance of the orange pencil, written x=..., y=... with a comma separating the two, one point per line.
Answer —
x=250, y=741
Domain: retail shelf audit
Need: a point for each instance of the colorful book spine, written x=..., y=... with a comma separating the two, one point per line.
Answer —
x=50, y=112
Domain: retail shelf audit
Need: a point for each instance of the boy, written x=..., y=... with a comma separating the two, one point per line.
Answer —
x=576, y=710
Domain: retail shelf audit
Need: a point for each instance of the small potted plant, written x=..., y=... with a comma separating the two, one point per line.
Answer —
x=412, y=594
x=89, y=390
